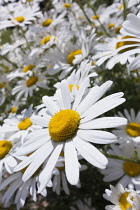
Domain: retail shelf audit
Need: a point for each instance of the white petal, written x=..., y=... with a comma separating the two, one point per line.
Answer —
x=42, y=121
x=71, y=163
x=90, y=153
x=50, y=104
x=98, y=137
x=104, y=122
x=47, y=171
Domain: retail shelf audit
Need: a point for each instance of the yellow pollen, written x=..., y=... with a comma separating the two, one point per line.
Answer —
x=95, y=17
x=13, y=110
x=71, y=87
x=120, y=7
x=81, y=17
x=131, y=169
x=92, y=63
x=47, y=22
x=29, y=0
x=64, y=124
x=27, y=68
x=117, y=30
x=45, y=39
x=123, y=203
x=133, y=129
x=24, y=124
x=111, y=25
x=20, y=19
x=67, y=5
x=31, y=81
x=71, y=56
x=5, y=147
x=2, y=84
x=124, y=43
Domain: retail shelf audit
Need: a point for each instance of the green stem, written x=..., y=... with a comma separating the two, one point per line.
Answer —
x=102, y=26
x=81, y=7
x=5, y=58
x=120, y=158
x=23, y=33
x=124, y=9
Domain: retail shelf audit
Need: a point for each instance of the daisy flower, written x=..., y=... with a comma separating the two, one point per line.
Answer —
x=71, y=126
x=127, y=172
x=19, y=126
x=123, y=199
x=17, y=190
x=130, y=131
x=28, y=84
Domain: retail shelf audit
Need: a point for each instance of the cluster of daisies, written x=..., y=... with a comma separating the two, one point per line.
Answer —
x=54, y=99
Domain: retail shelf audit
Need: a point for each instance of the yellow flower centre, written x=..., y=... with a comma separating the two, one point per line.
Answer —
x=71, y=56
x=24, y=124
x=117, y=30
x=31, y=81
x=71, y=87
x=133, y=129
x=120, y=7
x=124, y=43
x=45, y=39
x=67, y=5
x=2, y=84
x=47, y=22
x=111, y=25
x=13, y=110
x=20, y=19
x=123, y=203
x=64, y=124
x=27, y=68
x=5, y=147
x=95, y=17
x=131, y=169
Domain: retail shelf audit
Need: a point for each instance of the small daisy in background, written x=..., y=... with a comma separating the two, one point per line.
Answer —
x=122, y=198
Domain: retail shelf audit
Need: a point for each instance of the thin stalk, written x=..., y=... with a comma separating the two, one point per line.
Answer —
x=23, y=33
x=120, y=158
x=124, y=9
x=5, y=58
x=102, y=26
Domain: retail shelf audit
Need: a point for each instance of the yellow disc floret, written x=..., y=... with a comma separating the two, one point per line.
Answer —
x=64, y=124
x=71, y=56
x=71, y=87
x=111, y=25
x=31, y=81
x=24, y=124
x=14, y=109
x=20, y=19
x=67, y=5
x=95, y=17
x=123, y=203
x=133, y=129
x=131, y=169
x=28, y=68
x=46, y=39
x=124, y=43
x=2, y=84
x=5, y=147
x=47, y=22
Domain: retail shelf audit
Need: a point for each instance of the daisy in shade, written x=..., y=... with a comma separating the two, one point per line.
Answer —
x=17, y=190
x=59, y=176
x=127, y=172
x=123, y=199
x=130, y=131
x=19, y=126
x=71, y=126
x=29, y=83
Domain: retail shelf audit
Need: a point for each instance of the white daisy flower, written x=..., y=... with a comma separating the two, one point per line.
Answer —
x=28, y=84
x=130, y=131
x=127, y=172
x=123, y=199
x=19, y=125
x=71, y=126
x=17, y=190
